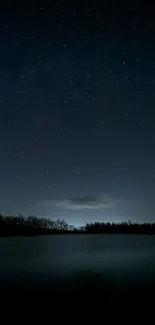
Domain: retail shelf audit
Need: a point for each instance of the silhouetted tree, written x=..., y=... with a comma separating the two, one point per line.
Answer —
x=11, y=225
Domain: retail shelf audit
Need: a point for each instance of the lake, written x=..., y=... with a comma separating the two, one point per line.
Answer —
x=81, y=262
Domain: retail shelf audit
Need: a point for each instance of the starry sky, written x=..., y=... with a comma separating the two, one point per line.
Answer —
x=77, y=110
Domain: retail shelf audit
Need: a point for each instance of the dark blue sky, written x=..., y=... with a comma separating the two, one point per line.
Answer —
x=77, y=110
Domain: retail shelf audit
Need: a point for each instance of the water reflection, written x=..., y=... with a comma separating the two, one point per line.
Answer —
x=115, y=259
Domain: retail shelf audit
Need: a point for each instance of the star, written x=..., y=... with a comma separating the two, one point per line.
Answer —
x=77, y=110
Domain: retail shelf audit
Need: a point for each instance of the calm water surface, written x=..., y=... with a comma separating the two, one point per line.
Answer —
x=114, y=259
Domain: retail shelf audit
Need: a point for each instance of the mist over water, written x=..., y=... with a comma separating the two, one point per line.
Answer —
x=113, y=260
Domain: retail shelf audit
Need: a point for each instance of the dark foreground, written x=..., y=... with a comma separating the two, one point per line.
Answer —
x=87, y=292
x=48, y=272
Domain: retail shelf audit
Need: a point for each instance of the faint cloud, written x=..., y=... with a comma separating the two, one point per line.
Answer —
x=84, y=202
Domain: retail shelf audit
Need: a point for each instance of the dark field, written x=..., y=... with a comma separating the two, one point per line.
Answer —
x=97, y=267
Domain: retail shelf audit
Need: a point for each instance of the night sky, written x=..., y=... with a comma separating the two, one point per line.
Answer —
x=77, y=110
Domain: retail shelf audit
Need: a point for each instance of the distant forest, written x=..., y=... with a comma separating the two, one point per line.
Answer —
x=20, y=226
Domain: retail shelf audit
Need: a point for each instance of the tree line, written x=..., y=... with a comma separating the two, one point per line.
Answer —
x=20, y=226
